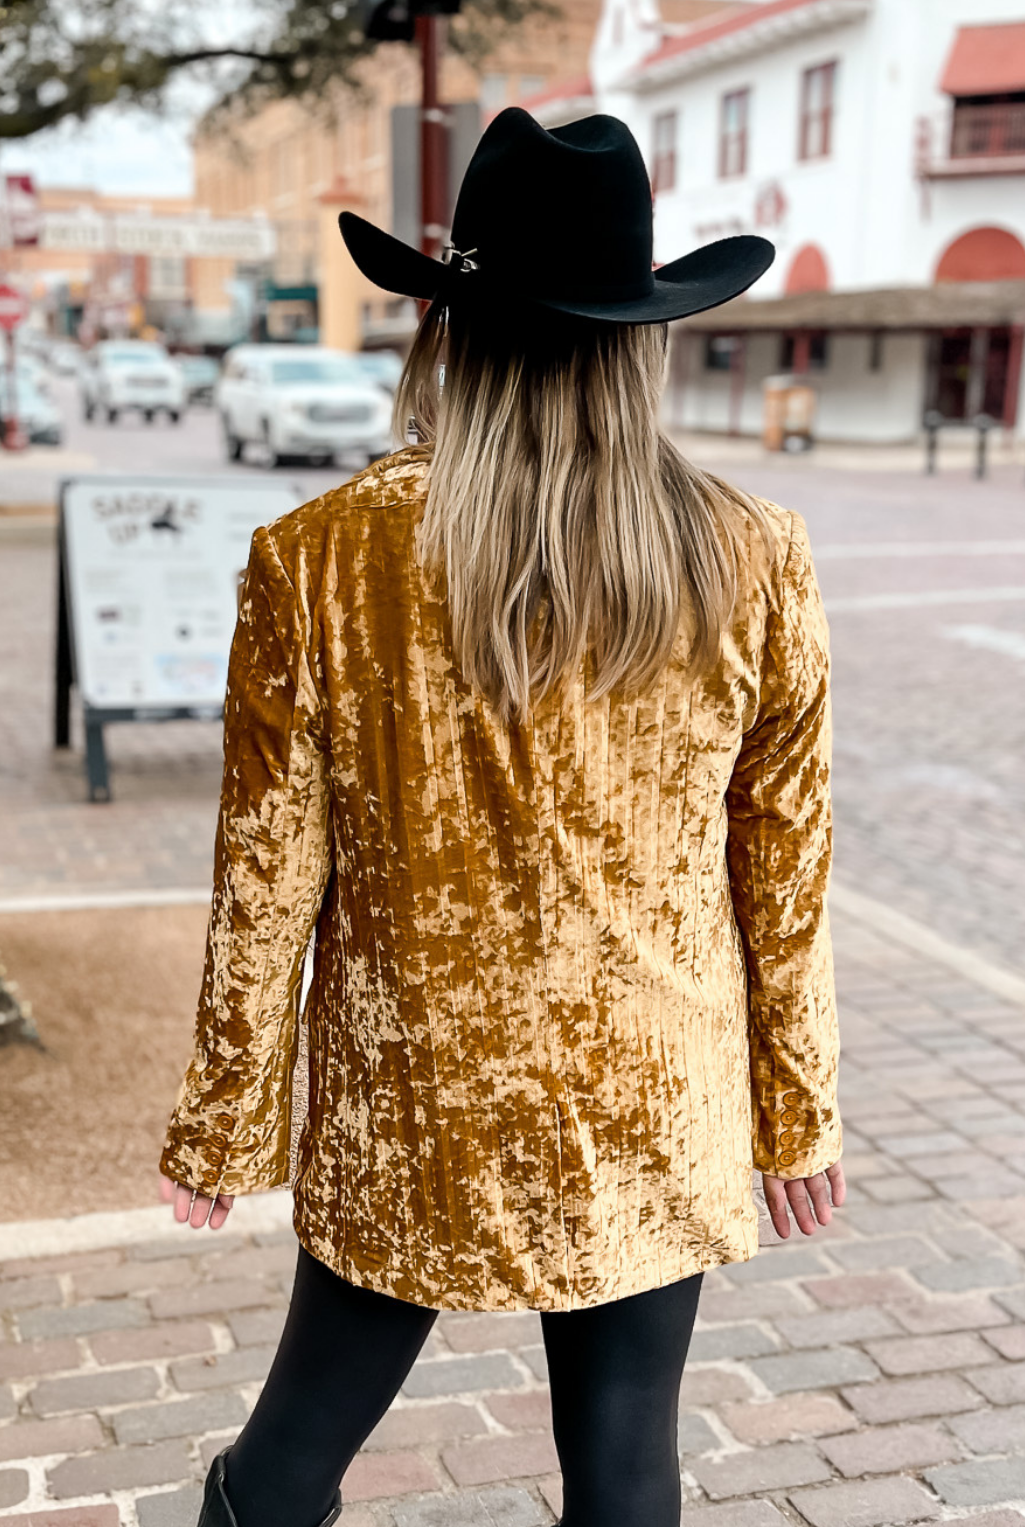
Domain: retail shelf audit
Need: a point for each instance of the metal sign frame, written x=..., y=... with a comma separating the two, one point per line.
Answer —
x=95, y=717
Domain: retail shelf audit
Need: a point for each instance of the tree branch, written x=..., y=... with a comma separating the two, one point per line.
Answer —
x=114, y=54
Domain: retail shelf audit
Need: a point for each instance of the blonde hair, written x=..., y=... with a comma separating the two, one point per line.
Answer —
x=562, y=520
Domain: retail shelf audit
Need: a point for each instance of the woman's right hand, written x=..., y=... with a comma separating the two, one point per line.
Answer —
x=807, y=1198
x=195, y=1209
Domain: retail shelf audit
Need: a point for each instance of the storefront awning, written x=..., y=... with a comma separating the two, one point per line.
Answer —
x=949, y=305
x=986, y=60
x=304, y=293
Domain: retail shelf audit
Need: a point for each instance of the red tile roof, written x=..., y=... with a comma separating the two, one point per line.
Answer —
x=561, y=90
x=702, y=32
x=984, y=60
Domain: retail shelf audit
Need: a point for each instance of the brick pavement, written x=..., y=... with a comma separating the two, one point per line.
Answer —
x=870, y=1376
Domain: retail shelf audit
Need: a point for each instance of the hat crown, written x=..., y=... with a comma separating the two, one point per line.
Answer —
x=566, y=210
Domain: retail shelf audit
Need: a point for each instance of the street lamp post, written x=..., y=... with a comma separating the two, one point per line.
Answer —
x=421, y=21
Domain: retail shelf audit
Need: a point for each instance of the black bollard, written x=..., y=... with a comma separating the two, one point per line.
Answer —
x=983, y=424
x=932, y=422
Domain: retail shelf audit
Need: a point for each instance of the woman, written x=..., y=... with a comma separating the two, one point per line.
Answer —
x=530, y=722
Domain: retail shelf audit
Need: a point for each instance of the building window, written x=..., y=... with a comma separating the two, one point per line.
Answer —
x=817, y=96
x=818, y=351
x=733, y=133
x=719, y=350
x=663, y=159
x=875, y=350
x=530, y=84
x=494, y=90
x=988, y=127
x=167, y=277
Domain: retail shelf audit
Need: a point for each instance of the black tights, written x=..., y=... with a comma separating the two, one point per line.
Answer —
x=614, y=1372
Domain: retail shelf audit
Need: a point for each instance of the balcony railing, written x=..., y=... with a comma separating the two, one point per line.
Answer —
x=987, y=132
x=969, y=140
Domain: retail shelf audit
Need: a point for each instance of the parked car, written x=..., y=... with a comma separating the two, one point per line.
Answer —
x=36, y=413
x=33, y=341
x=131, y=373
x=308, y=401
x=200, y=373
x=29, y=369
x=382, y=366
x=66, y=358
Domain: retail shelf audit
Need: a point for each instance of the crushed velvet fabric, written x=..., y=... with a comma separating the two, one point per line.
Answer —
x=572, y=979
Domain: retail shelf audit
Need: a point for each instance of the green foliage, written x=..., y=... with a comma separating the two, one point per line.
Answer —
x=63, y=59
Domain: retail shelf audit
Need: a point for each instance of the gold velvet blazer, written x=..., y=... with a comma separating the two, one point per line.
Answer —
x=572, y=979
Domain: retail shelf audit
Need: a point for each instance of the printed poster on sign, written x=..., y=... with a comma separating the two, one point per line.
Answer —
x=154, y=572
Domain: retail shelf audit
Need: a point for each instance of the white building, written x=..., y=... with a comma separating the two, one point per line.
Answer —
x=880, y=145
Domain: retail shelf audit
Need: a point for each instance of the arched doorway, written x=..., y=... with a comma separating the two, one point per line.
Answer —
x=983, y=254
x=808, y=271
x=976, y=370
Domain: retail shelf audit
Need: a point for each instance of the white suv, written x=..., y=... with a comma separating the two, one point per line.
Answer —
x=131, y=373
x=301, y=400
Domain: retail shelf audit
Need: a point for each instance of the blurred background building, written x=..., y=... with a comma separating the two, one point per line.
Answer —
x=114, y=266
x=880, y=145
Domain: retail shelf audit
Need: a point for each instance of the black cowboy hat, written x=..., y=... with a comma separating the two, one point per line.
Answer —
x=564, y=219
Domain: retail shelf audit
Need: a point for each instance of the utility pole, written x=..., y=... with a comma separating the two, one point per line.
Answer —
x=433, y=139
x=421, y=21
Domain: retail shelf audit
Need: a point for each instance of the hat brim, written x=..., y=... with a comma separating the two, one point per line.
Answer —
x=702, y=279
x=387, y=261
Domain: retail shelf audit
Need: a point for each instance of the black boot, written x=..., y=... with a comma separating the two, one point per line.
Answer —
x=217, y=1510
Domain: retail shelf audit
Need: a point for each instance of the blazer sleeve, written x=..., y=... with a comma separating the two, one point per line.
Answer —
x=230, y=1129
x=779, y=852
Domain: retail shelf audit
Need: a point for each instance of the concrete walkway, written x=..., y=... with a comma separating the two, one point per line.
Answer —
x=956, y=452
x=870, y=1376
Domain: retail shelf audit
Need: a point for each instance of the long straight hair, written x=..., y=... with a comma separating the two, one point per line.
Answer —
x=559, y=516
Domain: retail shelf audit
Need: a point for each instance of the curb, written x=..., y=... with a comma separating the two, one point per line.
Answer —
x=85, y=901
x=888, y=923
x=250, y=1214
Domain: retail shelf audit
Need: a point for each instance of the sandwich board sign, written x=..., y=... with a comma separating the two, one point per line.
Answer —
x=149, y=579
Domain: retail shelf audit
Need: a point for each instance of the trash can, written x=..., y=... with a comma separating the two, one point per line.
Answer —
x=788, y=413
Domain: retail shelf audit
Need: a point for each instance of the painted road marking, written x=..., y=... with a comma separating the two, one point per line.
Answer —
x=989, y=638
x=837, y=551
x=858, y=602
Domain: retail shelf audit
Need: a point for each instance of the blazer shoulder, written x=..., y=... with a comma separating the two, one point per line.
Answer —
x=767, y=536
x=784, y=525
x=299, y=537
x=794, y=564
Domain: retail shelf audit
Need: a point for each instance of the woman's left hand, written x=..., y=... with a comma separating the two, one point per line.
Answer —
x=807, y=1198
x=195, y=1208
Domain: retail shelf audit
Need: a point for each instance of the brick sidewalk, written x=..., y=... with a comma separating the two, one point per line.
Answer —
x=871, y=1376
